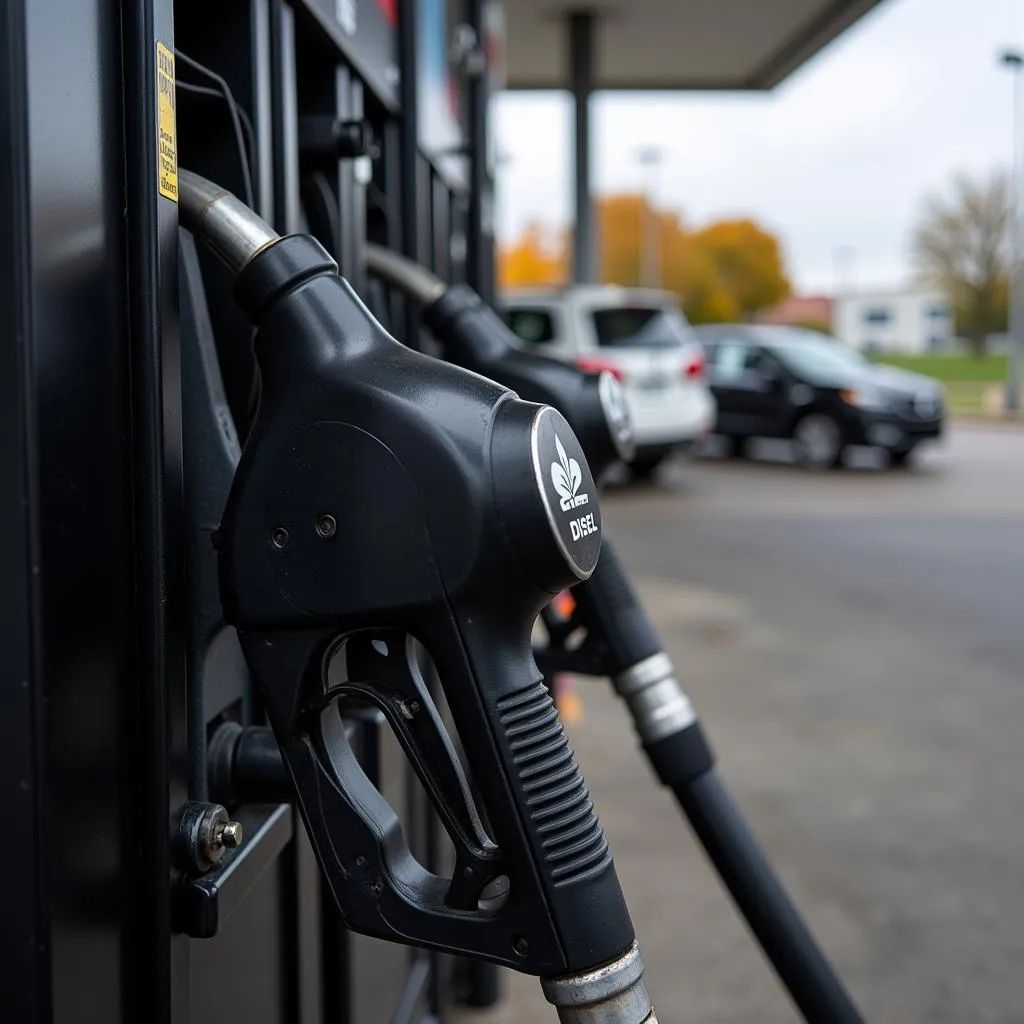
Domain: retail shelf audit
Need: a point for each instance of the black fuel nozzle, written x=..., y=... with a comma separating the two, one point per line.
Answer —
x=475, y=337
x=385, y=500
x=621, y=641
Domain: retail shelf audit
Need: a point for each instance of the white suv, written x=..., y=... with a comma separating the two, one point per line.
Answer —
x=641, y=337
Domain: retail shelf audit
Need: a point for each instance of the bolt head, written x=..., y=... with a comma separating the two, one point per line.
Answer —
x=232, y=835
x=206, y=831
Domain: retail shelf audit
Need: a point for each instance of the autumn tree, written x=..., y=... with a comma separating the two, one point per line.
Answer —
x=960, y=247
x=690, y=271
x=539, y=257
x=620, y=235
x=621, y=223
x=729, y=270
x=748, y=262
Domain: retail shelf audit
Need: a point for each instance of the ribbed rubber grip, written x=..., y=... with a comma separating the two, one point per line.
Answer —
x=539, y=805
x=557, y=799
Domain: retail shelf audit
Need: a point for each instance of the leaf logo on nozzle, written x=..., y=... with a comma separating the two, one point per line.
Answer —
x=566, y=475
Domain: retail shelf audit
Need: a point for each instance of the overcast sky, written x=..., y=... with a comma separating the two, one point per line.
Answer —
x=835, y=160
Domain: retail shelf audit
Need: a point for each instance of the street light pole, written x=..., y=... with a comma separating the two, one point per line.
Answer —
x=843, y=260
x=1015, y=61
x=650, y=234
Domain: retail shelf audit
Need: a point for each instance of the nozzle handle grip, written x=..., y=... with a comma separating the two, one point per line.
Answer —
x=523, y=758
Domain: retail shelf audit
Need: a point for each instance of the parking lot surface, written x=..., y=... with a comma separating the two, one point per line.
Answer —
x=855, y=645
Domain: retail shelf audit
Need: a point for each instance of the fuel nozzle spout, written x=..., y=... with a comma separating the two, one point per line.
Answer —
x=233, y=232
x=386, y=503
x=474, y=336
x=612, y=992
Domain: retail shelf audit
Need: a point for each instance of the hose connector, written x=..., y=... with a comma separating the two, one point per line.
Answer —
x=656, y=701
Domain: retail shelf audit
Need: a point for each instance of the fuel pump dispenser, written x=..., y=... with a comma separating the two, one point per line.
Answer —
x=621, y=642
x=379, y=495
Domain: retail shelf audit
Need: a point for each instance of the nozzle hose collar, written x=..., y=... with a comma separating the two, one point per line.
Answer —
x=655, y=699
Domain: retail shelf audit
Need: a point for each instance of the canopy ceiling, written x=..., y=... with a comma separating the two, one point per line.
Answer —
x=666, y=45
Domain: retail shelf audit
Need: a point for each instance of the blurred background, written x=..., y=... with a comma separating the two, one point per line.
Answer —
x=822, y=229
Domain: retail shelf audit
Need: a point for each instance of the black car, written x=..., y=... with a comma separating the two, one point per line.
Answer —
x=791, y=382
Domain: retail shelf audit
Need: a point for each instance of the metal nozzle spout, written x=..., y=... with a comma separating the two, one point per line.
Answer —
x=612, y=994
x=223, y=222
x=404, y=274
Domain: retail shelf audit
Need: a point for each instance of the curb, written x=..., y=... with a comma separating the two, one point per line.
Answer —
x=987, y=421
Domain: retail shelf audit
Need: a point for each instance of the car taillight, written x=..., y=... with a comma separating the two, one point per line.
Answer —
x=564, y=605
x=693, y=368
x=599, y=366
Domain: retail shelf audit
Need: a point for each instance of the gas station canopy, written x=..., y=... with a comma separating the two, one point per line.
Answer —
x=664, y=45
x=674, y=44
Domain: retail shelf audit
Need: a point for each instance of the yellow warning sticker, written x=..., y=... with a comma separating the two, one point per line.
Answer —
x=167, y=143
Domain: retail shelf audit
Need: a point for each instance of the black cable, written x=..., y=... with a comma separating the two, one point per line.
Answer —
x=614, y=616
x=780, y=931
x=236, y=120
x=250, y=135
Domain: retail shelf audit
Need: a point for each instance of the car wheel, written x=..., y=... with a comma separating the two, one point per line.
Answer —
x=818, y=441
x=643, y=467
x=900, y=458
x=736, y=447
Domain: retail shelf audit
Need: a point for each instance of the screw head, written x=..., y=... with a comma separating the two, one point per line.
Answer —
x=521, y=946
x=360, y=861
x=376, y=887
x=326, y=525
x=279, y=537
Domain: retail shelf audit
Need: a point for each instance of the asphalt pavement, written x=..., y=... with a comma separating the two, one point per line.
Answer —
x=854, y=642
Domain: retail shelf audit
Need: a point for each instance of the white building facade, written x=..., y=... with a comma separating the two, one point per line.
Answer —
x=912, y=322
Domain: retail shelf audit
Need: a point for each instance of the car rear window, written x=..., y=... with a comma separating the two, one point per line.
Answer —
x=534, y=326
x=640, y=327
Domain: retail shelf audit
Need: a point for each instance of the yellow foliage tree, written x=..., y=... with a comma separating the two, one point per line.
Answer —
x=749, y=264
x=728, y=270
x=619, y=234
x=698, y=283
x=539, y=257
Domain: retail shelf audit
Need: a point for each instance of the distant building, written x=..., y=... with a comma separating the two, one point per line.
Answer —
x=800, y=310
x=894, y=321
